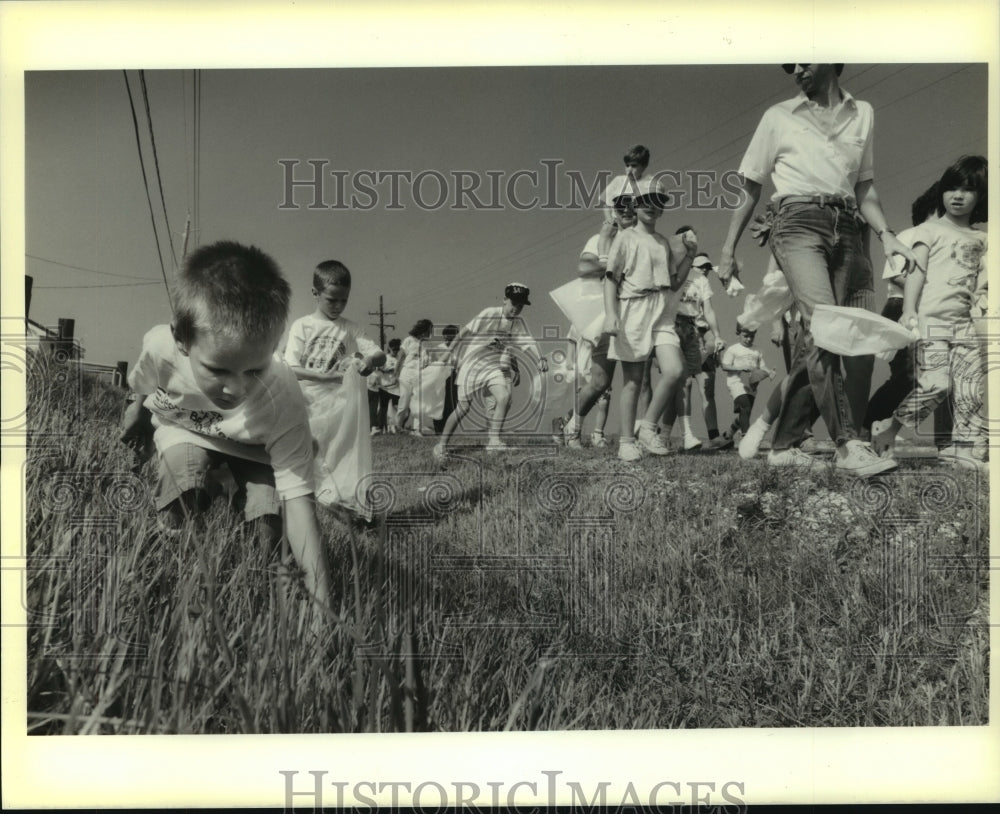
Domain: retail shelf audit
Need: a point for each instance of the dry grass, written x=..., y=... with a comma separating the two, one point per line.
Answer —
x=531, y=591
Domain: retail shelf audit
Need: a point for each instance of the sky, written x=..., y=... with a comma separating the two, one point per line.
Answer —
x=689, y=80
x=531, y=143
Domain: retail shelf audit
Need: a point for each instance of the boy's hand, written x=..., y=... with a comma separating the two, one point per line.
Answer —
x=690, y=242
x=720, y=345
x=908, y=319
x=137, y=430
x=611, y=325
x=543, y=365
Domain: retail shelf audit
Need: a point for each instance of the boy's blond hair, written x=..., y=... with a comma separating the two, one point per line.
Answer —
x=230, y=290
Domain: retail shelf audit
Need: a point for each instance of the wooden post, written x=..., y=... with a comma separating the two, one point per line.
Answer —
x=120, y=377
x=65, y=341
x=28, y=282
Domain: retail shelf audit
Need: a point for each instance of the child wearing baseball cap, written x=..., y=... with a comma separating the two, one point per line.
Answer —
x=642, y=269
x=482, y=355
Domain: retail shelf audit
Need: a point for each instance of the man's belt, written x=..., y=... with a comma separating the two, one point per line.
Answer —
x=838, y=201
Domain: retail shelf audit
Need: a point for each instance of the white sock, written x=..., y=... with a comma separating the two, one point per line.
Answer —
x=686, y=424
x=573, y=425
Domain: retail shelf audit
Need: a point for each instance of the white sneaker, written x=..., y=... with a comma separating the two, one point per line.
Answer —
x=859, y=459
x=495, y=446
x=883, y=438
x=376, y=431
x=793, y=456
x=962, y=458
x=750, y=443
x=691, y=443
x=629, y=451
x=650, y=441
x=598, y=441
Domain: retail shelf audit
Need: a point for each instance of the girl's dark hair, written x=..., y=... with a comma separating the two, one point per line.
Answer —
x=393, y=344
x=925, y=205
x=969, y=171
x=422, y=327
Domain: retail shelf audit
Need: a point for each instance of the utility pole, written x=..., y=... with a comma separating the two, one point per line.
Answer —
x=382, y=325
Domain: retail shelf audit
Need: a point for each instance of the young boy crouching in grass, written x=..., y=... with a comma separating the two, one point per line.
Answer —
x=214, y=394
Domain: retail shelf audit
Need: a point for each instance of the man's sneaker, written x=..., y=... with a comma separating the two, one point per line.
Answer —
x=440, y=453
x=793, y=456
x=962, y=457
x=883, y=438
x=495, y=446
x=650, y=441
x=691, y=443
x=750, y=442
x=376, y=431
x=629, y=451
x=859, y=459
x=598, y=441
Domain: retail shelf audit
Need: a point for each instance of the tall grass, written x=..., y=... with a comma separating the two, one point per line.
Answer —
x=531, y=591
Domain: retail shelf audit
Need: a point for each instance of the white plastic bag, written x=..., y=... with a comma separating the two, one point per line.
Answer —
x=338, y=419
x=582, y=301
x=772, y=299
x=429, y=395
x=857, y=332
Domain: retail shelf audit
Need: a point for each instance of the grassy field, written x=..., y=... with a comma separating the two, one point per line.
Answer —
x=542, y=589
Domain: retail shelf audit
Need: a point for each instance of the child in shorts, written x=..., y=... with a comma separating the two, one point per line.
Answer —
x=641, y=270
x=211, y=387
x=745, y=369
x=481, y=352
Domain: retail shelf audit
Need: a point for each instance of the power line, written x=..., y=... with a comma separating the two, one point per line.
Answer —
x=156, y=163
x=145, y=183
x=84, y=268
x=98, y=285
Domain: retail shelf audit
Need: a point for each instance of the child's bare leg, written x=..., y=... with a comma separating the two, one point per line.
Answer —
x=671, y=370
x=601, y=414
x=501, y=398
x=632, y=373
x=461, y=408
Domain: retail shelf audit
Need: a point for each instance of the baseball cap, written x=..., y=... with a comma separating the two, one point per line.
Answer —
x=646, y=189
x=701, y=260
x=517, y=293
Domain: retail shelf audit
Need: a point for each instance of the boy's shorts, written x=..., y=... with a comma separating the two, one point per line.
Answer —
x=474, y=377
x=690, y=345
x=644, y=325
x=186, y=466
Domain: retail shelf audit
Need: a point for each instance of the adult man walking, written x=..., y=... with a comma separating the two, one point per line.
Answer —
x=817, y=151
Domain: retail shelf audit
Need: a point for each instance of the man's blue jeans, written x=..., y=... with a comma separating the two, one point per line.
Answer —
x=820, y=250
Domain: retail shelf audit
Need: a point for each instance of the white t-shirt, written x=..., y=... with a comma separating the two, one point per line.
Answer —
x=640, y=262
x=806, y=150
x=317, y=343
x=489, y=334
x=954, y=269
x=742, y=359
x=696, y=292
x=270, y=427
x=411, y=362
